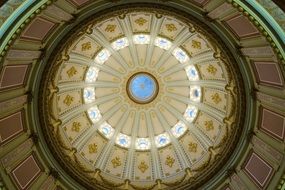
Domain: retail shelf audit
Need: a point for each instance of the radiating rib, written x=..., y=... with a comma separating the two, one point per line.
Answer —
x=174, y=140
x=175, y=44
x=130, y=160
x=215, y=113
x=105, y=43
x=154, y=151
x=107, y=150
x=84, y=107
x=126, y=26
x=194, y=129
x=79, y=59
x=84, y=138
x=154, y=31
x=203, y=83
x=71, y=85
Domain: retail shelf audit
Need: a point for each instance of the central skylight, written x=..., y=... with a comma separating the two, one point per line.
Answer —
x=142, y=88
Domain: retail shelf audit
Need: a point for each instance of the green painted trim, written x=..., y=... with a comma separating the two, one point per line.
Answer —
x=22, y=19
x=13, y=17
x=267, y=16
x=269, y=19
x=281, y=185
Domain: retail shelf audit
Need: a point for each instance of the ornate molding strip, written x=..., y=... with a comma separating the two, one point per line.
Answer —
x=7, y=43
x=8, y=9
x=234, y=3
x=14, y=103
x=12, y=157
x=281, y=184
x=271, y=100
x=274, y=10
x=264, y=31
x=2, y=184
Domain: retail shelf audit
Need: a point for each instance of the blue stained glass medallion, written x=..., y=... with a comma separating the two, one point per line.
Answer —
x=142, y=88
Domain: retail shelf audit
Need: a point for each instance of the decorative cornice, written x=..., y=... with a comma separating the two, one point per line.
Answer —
x=34, y=136
x=237, y=4
x=18, y=31
x=281, y=184
x=54, y=173
x=58, y=59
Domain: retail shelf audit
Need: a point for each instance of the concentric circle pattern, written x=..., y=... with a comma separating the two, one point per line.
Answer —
x=142, y=88
x=145, y=85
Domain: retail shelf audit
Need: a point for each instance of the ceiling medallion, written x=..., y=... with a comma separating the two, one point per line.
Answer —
x=134, y=98
x=131, y=92
x=142, y=88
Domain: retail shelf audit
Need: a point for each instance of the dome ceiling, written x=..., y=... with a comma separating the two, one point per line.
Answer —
x=142, y=95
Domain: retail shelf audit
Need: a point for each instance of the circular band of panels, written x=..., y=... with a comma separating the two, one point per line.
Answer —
x=142, y=88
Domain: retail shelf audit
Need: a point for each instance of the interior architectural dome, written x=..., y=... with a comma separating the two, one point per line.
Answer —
x=142, y=94
x=147, y=84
